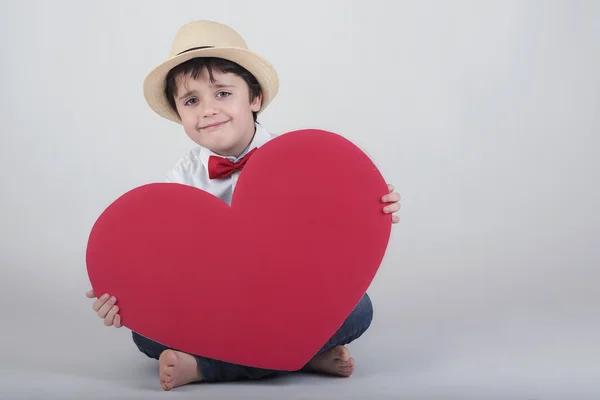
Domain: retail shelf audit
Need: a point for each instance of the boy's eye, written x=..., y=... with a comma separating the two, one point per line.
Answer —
x=223, y=94
x=193, y=99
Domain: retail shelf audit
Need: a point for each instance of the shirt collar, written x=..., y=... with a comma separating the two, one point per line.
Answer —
x=260, y=138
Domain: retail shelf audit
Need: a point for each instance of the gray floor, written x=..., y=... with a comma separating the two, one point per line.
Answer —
x=131, y=378
x=76, y=357
x=49, y=385
x=137, y=379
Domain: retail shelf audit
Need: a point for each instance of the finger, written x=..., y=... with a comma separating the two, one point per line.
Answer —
x=395, y=219
x=390, y=187
x=90, y=294
x=392, y=208
x=117, y=321
x=390, y=198
x=108, y=320
x=100, y=302
x=106, y=307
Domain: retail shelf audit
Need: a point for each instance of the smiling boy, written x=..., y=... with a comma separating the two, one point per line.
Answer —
x=215, y=88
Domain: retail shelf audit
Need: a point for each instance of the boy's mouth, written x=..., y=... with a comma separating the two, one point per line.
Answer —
x=215, y=125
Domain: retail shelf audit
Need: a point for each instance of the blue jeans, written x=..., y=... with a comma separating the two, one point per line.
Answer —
x=220, y=371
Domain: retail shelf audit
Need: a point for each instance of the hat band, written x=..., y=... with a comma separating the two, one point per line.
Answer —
x=196, y=48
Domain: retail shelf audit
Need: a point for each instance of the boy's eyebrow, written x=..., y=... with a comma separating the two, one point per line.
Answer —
x=187, y=94
x=222, y=85
x=216, y=85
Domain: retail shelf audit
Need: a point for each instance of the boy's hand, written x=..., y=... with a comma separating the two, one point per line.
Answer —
x=106, y=308
x=394, y=199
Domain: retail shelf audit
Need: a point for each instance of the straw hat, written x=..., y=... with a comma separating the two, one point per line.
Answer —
x=208, y=39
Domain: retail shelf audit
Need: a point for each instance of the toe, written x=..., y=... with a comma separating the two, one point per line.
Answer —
x=167, y=382
x=345, y=368
x=342, y=364
x=167, y=362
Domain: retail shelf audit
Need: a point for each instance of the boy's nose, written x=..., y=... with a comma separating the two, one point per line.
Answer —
x=208, y=109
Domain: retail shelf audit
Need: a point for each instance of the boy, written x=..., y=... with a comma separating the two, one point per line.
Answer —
x=215, y=87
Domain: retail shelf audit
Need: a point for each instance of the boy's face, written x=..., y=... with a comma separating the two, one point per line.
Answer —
x=217, y=115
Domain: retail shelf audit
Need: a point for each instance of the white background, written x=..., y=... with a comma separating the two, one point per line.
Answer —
x=484, y=114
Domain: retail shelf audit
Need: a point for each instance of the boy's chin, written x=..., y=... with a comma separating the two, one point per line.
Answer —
x=224, y=146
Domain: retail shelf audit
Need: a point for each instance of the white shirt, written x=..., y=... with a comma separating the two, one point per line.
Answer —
x=192, y=169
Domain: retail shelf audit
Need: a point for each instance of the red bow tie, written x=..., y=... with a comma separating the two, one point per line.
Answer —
x=219, y=167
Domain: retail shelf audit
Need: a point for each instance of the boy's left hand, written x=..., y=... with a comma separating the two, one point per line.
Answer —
x=394, y=199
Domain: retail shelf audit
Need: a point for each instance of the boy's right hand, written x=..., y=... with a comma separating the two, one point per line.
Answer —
x=106, y=309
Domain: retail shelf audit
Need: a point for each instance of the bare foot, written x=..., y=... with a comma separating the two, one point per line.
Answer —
x=336, y=361
x=177, y=369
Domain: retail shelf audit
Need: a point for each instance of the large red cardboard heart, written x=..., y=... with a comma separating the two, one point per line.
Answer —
x=265, y=282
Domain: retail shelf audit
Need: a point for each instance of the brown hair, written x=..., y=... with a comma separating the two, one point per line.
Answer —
x=195, y=66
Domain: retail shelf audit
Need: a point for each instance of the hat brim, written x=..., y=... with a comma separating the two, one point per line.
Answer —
x=155, y=82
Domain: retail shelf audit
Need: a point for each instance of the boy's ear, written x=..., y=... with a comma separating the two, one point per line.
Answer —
x=256, y=103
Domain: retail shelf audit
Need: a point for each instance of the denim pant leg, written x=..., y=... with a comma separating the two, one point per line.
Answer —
x=353, y=327
x=212, y=370
x=220, y=371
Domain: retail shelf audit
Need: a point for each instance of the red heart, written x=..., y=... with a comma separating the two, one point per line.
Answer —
x=265, y=282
